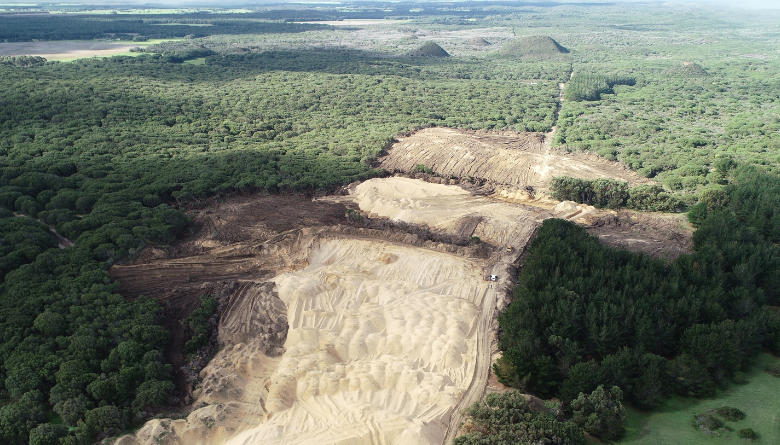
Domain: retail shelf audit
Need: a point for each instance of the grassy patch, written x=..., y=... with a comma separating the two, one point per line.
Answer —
x=759, y=399
x=198, y=61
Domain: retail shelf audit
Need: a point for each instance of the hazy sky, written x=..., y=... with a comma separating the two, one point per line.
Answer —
x=749, y=4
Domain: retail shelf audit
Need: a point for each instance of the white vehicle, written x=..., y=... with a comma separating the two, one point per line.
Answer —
x=493, y=277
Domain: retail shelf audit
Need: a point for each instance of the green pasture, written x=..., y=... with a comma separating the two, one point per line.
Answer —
x=670, y=424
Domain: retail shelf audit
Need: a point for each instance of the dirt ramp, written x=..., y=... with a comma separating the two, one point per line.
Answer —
x=255, y=314
x=516, y=159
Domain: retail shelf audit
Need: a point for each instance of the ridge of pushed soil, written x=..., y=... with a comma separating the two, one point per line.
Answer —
x=502, y=158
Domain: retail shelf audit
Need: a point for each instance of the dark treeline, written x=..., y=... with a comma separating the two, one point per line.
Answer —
x=63, y=27
x=585, y=314
x=22, y=60
x=613, y=194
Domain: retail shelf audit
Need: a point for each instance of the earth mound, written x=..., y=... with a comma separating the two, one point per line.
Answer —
x=479, y=41
x=429, y=49
x=687, y=69
x=500, y=158
x=540, y=47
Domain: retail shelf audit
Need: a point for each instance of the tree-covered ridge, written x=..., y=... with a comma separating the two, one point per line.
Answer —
x=585, y=314
x=613, y=194
x=674, y=128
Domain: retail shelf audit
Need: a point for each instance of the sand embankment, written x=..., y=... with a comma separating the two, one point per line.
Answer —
x=447, y=208
x=505, y=158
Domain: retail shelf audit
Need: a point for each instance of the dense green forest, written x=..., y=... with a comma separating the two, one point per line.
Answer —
x=107, y=152
x=613, y=194
x=585, y=314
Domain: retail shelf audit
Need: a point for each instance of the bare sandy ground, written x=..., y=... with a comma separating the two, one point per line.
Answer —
x=56, y=50
x=386, y=340
x=338, y=335
x=506, y=158
x=447, y=208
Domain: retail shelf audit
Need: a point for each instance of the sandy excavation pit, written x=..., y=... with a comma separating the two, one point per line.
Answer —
x=339, y=333
x=380, y=348
x=383, y=337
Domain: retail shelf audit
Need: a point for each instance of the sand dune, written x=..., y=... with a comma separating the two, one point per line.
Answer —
x=380, y=348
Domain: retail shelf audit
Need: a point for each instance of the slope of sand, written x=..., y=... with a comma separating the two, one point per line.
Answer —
x=447, y=208
x=518, y=159
x=381, y=347
x=384, y=339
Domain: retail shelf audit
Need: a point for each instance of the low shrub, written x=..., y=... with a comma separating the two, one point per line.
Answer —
x=747, y=433
x=708, y=424
x=730, y=413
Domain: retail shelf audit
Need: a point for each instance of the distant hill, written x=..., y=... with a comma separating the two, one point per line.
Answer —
x=687, y=69
x=539, y=47
x=429, y=49
x=479, y=41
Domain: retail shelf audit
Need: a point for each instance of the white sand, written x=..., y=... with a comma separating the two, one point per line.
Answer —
x=385, y=340
x=448, y=208
x=380, y=347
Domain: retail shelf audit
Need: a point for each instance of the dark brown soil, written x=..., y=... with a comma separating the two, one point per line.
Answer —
x=662, y=236
x=177, y=275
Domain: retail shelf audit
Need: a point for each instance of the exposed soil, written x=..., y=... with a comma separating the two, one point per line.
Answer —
x=658, y=235
x=365, y=317
x=64, y=49
x=502, y=158
x=218, y=250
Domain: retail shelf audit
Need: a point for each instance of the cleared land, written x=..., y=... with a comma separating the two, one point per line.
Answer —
x=67, y=50
x=503, y=158
x=339, y=333
x=333, y=329
x=377, y=328
x=56, y=50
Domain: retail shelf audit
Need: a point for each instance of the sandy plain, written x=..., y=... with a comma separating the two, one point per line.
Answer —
x=58, y=50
